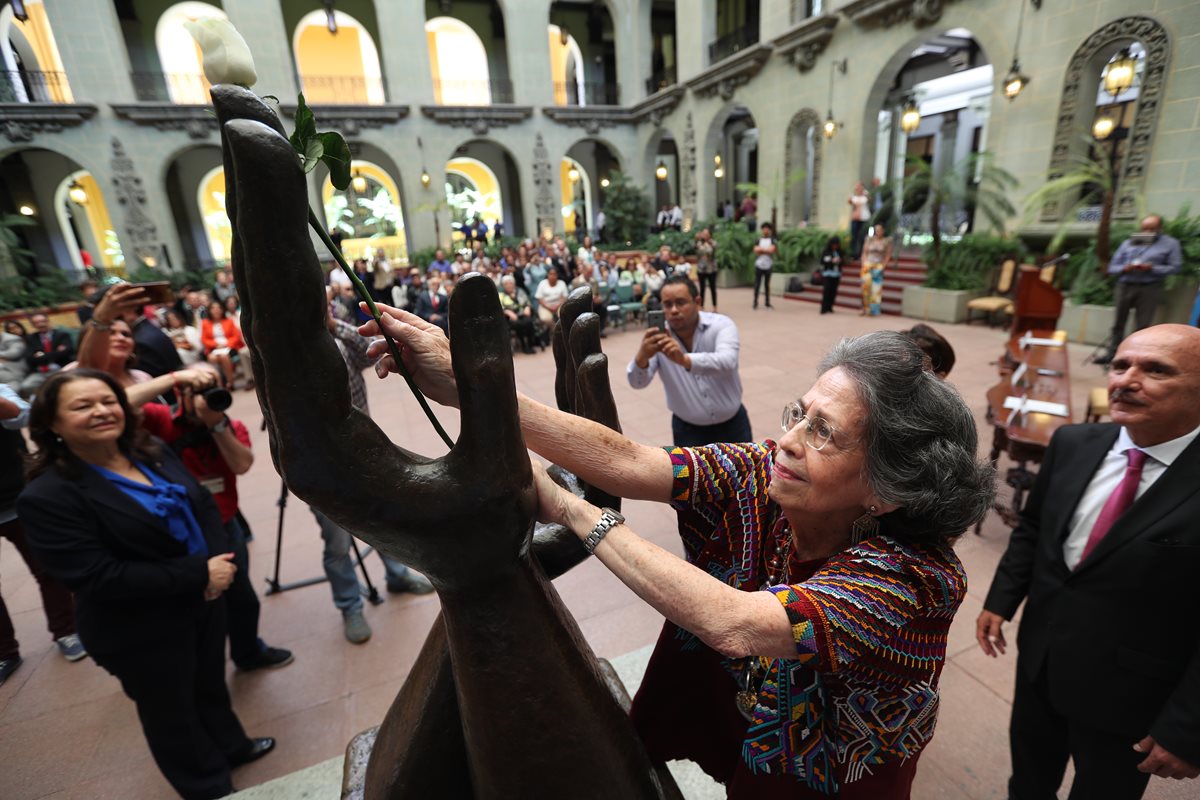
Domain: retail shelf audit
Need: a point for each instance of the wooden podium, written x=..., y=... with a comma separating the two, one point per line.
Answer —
x=1036, y=304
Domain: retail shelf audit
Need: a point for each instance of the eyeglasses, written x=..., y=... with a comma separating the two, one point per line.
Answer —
x=818, y=432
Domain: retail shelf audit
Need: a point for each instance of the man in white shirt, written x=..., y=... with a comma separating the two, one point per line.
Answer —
x=697, y=358
x=1106, y=557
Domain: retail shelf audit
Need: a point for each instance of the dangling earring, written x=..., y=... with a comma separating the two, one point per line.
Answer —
x=864, y=527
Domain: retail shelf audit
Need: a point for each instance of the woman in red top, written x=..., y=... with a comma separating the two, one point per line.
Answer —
x=222, y=340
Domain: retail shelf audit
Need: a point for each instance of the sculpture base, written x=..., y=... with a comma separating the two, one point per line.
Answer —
x=358, y=752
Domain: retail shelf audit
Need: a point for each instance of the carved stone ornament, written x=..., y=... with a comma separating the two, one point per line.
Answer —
x=21, y=121
x=687, y=157
x=543, y=182
x=195, y=120
x=793, y=159
x=724, y=77
x=480, y=119
x=803, y=43
x=1076, y=109
x=658, y=105
x=590, y=118
x=131, y=196
x=886, y=13
x=353, y=119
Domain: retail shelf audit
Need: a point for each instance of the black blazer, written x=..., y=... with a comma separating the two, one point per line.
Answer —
x=1120, y=636
x=33, y=346
x=133, y=582
x=424, y=305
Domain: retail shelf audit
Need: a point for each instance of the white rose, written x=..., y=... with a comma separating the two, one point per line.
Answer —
x=227, y=59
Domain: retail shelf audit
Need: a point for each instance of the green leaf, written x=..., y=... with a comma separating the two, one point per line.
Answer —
x=313, y=151
x=336, y=155
x=306, y=126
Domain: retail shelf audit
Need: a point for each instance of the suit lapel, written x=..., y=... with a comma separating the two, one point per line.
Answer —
x=101, y=490
x=1078, y=473
x=1173, y=487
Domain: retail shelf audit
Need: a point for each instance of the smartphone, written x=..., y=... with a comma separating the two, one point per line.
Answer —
x=158, y=292
x=656, y=319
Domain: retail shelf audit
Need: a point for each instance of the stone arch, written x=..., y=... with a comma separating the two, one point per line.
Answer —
x=650, y=164
x=333, y=69
x=806, y=124
x=181, y=176
x=1079, y=87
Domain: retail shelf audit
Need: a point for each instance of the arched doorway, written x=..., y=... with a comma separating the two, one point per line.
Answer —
x=495, y=162
x=949, y=81
x=662, y=166
x=472, y=193
x=583, y=176
x=732, y=147
x=802, y=165
x=583, y=54
x=31, y=63
x=337, y=61
x=67, y=207
x=368, y=213
x=195, y=183
x=179, y=54
x=458, y=59
x=664, y=63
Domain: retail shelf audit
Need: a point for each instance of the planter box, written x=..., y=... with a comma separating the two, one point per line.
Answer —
x=1177, y=303
x=781, y=280
x=935, y=305
x=729, y=279
x=1087, y=324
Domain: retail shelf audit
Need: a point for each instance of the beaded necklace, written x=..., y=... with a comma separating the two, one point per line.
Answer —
x=755, y=668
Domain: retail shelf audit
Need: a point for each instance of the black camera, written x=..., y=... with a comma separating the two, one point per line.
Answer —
x=217, y=399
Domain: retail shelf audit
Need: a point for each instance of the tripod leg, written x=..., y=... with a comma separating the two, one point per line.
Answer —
x=372, y=592
x=273, y=583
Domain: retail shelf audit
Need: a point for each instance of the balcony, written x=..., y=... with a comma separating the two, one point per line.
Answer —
x=498, y=91
x=733, y=42
x=20, y=86
x=661, y=79
x=594, y=94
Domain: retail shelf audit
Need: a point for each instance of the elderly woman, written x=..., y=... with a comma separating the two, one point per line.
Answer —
x=518, y=311
x=120, y=521
x=808, y=625
x=222, y=340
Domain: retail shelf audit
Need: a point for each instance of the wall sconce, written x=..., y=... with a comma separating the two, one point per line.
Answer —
x=910, y=118
x=1014, y=81
x=1120, y=72
x=573, y=175
x=718, y=170
x=26, y=211
x=330, y=17
x=1103, y=127
x=830, y=128
x=425, y=179
x=18, y=7
x=661, y=171
x=604, y=182
x=77, y=194
x=831, y=125
x=359, y=183
x=564, y=35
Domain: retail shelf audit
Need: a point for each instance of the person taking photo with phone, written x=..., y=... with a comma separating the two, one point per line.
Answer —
x=696, y=353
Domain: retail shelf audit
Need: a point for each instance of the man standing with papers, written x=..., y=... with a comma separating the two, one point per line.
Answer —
x=1105, y=559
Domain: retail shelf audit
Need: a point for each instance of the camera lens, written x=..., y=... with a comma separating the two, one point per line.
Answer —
x=218, y=399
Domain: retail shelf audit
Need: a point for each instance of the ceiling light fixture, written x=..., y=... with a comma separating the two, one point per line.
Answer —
x=1118, y=76
x=77, y=193
x=330, y=17
x=1103, y=127
x=359, y=182
x=910, y=118
x=661, y=171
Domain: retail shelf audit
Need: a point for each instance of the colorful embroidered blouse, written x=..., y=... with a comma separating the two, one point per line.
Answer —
x=870, y=625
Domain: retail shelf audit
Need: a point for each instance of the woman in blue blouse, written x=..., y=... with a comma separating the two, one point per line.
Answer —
x=122, y=524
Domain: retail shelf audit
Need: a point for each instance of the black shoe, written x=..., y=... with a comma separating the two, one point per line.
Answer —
x=269, y=658
x=412, y=582
x=8, y=666
x=258, y=748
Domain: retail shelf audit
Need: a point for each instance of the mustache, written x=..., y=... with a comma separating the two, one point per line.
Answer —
x=1123, y=396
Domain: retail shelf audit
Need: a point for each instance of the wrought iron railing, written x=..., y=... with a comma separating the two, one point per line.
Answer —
x=170, y=87
x=22, y=86
x=473, y=93
x=732, y=42
x=342, y=90
x=661, y=79
x=594, y=94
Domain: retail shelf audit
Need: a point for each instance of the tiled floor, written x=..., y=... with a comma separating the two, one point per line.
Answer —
x=66, y=731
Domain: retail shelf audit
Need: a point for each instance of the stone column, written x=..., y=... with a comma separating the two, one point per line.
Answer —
x=406, y=69
x=88, y=35
x=695, y=29
x=527, y=43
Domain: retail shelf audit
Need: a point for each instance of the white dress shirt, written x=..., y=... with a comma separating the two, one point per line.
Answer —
x=1106, y=479
x=711, y=392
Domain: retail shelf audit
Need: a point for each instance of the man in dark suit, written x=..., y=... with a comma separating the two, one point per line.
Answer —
x=432, y=304
x=46, y=352
x=1106, y=557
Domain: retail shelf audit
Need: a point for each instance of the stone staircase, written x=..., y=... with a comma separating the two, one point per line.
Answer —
x=909, y=271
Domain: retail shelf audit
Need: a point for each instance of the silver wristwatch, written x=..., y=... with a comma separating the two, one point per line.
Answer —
x=608, y=519
x=221, y=426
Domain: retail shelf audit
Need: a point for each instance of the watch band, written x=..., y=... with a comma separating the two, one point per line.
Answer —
x=608, y=519
x=221, y=426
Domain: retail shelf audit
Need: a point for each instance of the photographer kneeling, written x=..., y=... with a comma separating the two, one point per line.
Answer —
x=215, y=450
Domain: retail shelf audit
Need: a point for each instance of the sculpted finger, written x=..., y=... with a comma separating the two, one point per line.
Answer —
x=482, y=359
x=564, y=396
x=583, y=339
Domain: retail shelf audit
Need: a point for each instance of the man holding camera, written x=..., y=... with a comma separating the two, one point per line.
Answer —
x=696, y=353
x=1141, y=264
x=215, y=450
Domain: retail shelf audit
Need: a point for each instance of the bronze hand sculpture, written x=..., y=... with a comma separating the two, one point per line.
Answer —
x=506, y=699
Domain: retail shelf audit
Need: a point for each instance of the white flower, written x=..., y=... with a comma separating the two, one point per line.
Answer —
x=227, y=59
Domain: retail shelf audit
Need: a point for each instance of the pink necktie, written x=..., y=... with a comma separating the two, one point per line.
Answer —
x=1118, y=502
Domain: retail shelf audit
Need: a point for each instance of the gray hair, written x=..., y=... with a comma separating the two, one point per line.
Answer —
x=920, y=439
